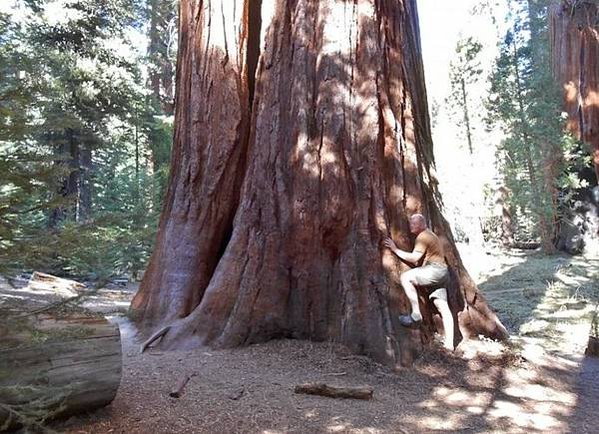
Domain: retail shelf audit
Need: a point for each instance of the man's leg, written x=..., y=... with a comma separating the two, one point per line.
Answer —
x=408, y=280
x=447, y=317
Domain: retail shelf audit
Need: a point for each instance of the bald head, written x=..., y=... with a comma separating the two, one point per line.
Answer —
x=417, y=223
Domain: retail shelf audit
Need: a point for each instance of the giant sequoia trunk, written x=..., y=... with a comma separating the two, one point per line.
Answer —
x=302, y=139
x=575, y=45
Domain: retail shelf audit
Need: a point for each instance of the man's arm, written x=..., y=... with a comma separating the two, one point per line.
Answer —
x=412, y=257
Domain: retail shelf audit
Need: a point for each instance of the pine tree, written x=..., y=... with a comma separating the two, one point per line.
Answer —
x=78, y=192
x=465, y=70
x=524, y=101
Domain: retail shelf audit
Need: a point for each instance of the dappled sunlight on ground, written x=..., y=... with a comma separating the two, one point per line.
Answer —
x=483, y=263
x=522, y=394
x=550, y=299
x=537, y=382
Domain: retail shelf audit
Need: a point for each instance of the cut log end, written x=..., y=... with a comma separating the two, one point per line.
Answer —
x=334, y=391
x=57, y=366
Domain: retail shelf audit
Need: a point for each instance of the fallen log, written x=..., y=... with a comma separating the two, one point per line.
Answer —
x=62, y=287
x=334, y=391
x=53, y=366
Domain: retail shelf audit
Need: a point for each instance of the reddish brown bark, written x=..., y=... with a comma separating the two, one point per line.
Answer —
x=339, y=154
x=575, y=44
x=211, y=136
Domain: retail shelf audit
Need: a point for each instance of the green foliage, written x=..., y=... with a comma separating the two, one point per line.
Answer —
x=538, y=160
x=465, y=71
x=84, y=148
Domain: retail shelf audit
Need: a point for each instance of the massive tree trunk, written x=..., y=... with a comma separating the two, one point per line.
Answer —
x=575, y=45
x=302, y=139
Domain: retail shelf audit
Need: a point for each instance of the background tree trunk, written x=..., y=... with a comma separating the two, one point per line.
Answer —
x=575, y=52
x=84, y=208
x=339, y=154
x=162, y=18
x=68, y=153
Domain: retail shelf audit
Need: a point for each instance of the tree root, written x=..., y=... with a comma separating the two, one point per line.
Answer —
x=159, y=334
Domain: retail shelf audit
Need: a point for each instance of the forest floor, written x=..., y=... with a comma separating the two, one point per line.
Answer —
x=538, y=382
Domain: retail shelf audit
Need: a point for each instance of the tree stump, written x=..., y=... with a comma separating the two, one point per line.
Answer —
x=55, y=365
x=593, y=347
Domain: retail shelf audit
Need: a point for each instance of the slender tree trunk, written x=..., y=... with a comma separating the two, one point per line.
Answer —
x=68, y=158
x=551, y=153
x=85, y=183
x=330, y=137
x=162, y=15
x=575, y=54
x=466, y=115
x=162, y=32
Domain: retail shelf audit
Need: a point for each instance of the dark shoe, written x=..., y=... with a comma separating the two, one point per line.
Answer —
x=408, y=321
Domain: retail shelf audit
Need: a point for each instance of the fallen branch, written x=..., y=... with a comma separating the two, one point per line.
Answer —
x=334, y=392
x=159, y=334
x=178, y=391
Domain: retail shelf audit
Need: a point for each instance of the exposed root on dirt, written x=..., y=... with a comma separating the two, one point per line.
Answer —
x=158, y=335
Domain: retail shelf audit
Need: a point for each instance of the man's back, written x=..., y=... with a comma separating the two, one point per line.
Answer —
x=430, y=244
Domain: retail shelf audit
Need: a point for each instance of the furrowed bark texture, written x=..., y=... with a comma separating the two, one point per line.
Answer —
x=334, y=151
x=575, y=45
x=211, y=137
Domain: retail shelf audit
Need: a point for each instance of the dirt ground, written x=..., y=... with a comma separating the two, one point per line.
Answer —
x=539, y=382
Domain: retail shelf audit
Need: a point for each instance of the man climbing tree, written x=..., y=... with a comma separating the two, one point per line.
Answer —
x=433, y=274
x=302, y=138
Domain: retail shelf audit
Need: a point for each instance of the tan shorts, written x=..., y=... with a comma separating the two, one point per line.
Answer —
x=432, y=276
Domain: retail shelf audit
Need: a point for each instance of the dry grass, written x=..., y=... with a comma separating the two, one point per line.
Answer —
x=547, y=298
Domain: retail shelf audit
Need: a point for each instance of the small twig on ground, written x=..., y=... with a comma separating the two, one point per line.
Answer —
x=178, y=391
